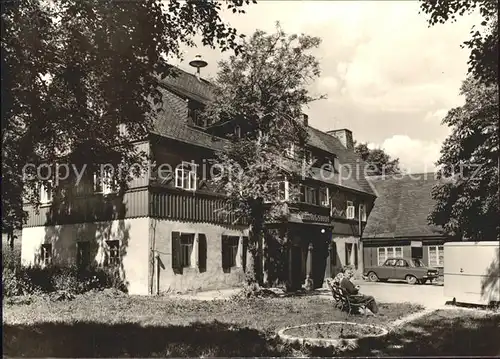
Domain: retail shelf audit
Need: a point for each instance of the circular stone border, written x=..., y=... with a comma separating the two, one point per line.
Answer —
x=325, y=342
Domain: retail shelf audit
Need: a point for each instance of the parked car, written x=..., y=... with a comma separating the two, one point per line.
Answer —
x=410, y=269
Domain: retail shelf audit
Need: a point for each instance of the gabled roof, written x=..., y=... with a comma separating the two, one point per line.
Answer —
x=171, y=123
x=188, y=85
x=353, y=167
x=402, y=206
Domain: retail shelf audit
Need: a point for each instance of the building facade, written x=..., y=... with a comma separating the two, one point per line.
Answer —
x=398, y=225
x=164, y=233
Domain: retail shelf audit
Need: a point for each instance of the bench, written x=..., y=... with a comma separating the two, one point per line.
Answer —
x=343, y=299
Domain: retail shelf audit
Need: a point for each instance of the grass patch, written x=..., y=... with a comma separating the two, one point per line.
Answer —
x=451, y=332
x=100, y=325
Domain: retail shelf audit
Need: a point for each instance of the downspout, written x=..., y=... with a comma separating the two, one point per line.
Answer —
x=153, y=258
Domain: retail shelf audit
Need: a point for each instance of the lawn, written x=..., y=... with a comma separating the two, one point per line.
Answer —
x=106, y=325
x=450, y=332
x=101, y=325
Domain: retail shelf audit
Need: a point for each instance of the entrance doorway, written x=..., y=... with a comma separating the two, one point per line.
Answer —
x=295, y=267
x=416, y=249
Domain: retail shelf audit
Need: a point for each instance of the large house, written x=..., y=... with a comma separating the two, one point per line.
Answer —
x=165, y=234
x=398, y=225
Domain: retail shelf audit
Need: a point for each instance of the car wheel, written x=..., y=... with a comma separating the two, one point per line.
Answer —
x=411, y=279
x=423, y=281
x=372, y=276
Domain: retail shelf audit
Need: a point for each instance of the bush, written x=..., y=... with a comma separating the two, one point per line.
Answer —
x=34, y=280
x=14, y=285
x=252, y=291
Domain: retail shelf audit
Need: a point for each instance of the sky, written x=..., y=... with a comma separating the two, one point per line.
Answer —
x=387, y=75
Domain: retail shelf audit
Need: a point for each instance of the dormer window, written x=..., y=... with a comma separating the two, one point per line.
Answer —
x=104, y=183
x=334, y=164
x=237, y=131
x=362, y=212
x=350, y=210
x=194, y=113
x=45, y=192
x=284, y=194
x=185, y=176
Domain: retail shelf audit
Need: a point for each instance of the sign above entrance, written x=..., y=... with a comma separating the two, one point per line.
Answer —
x=310, y=217
x=416, y=244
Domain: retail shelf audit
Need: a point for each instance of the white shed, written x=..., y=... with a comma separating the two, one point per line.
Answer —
x=472, y=272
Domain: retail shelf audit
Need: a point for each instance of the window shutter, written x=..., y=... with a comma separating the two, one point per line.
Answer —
x=224, y=252
x=176, y=250
x=202, y=252
x=346, y=254
x=245, y=250
x=355, y=255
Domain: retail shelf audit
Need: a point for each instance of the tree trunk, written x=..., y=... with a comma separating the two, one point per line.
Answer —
x=254, y=259
x=498, y=179
x=251, y=270
x=10, y=239
x=264, y=260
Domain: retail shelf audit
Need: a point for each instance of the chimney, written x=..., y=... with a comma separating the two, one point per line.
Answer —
x=345, y=137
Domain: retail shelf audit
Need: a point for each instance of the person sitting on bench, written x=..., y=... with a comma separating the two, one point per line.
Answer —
x=354, y=294
x=338, y=278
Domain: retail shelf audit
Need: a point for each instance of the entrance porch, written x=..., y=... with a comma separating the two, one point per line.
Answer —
x=301, y=255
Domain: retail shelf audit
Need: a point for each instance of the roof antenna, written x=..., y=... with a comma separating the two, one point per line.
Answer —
x=198, y=63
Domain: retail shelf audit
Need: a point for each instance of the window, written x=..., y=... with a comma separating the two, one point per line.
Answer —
x=383, y=253
x=314, y=197
x=104, y=183
x=230, y=251
x=309, y=195
x=417, y=262
x=351, y=254
x=185, y=176
x=202, y=252
x=436, y=256
x=362, y=212
x=82, y=254
x=46, y=254
x=237, y=131
x=45, y=192
x=183, y=251
x=350, y=211
x=302, y=193
x=113, y=252
x=324, y=196
x=290, y=151
x=401, y=263
x=186, y=244
x=390, y=263
x=284, y=193
x=194, y=113
x=335, y=164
